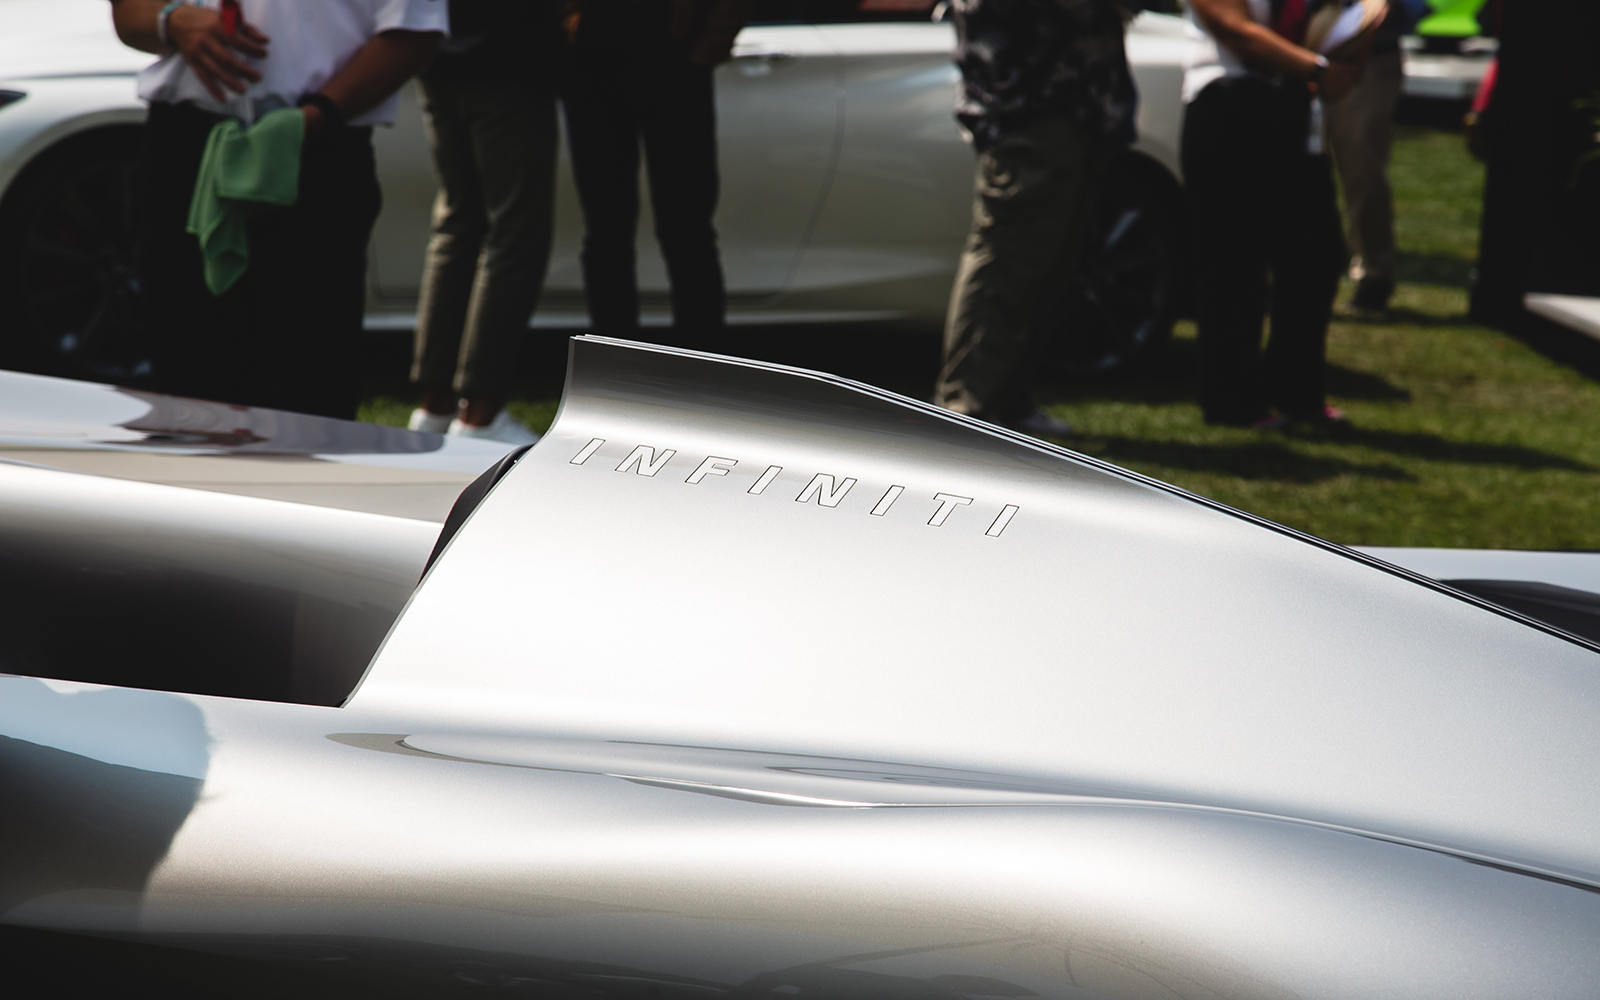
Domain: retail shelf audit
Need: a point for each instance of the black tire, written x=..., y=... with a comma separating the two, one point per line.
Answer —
x=69, y=298
x=1116, y=314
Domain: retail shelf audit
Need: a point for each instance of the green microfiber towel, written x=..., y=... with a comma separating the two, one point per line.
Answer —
x=242, y=172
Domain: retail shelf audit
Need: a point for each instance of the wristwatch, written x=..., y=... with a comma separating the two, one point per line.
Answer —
x=323, y=103
x=161, y=22
x=1317, y=68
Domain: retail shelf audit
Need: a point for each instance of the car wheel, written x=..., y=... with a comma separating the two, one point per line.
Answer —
x=1116, y=313
x=69, y=299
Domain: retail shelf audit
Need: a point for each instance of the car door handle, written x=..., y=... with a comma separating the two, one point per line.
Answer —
x=759, y=62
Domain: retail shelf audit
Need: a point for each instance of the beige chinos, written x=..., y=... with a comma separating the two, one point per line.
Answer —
x=1360, y=133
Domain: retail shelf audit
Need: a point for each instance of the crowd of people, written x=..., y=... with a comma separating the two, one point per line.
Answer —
x=283, y=330
x=1048, y=98
x=1047, y=102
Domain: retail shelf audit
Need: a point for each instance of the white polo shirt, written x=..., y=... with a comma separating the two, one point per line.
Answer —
x=311, y=41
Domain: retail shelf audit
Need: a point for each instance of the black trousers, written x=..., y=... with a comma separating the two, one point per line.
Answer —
x=612, y=103
x=286, y=334
x=1260, y=206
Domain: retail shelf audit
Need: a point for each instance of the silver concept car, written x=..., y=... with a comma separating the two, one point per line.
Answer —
x=745, y=682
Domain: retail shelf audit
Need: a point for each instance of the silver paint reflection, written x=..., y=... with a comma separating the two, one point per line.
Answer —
x=637, y=736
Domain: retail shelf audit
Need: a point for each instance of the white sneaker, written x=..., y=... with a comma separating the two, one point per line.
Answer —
x=433, y=423
x=503, y=428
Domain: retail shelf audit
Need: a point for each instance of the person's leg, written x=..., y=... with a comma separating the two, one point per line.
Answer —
x=1225, y=226
x=514, y=146
x=307, y=277
x=1361, y=132
x=680, y=141
x=1032, y=193
x=189, y=328
x=603, y=140
x=459, y=225
x=1306, y=254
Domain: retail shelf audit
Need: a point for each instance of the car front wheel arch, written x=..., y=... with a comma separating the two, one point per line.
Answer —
x=1115, y=313
x=67, y=275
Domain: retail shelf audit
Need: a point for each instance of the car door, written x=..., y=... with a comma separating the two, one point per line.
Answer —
x=899, y=204
x=778, y=114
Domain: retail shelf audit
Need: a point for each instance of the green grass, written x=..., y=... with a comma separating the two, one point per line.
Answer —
x=1462, y=436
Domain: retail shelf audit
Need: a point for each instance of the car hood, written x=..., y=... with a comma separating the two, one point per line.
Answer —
x=103, y=430
x=758, y=582
x=47, y=38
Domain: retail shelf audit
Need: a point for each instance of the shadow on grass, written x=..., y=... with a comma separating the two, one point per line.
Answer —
x=1433, y=269
x=1400, y=316
x=1433, y=448
x=1251, y=460
x=1348, y=383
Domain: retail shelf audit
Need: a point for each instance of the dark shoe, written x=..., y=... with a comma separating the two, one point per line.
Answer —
x=1372, y=297
x=1041, y=424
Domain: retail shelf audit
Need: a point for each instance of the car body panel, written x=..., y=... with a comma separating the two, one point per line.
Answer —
x=640, y=736
x=176, y=543
x=890, y=636
x=68, y=425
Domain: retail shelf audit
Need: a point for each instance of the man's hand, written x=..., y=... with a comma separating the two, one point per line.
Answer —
x=1347, y=62
x=1340, y=78
x=376, y=70
x=197, y=34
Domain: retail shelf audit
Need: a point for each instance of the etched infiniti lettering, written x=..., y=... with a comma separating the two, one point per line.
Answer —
x=821, y=487
x=882, y=506
x=766, y=479
x=827, y=489
x=712, y=466
x=588, y=449
x=1004, y=519
x=947, y=503
x=644, y=460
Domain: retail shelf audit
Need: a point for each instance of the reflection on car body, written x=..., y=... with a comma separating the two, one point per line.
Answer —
x=672, y=735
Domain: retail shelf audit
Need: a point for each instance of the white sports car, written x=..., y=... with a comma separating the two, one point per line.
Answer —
x=846, y=187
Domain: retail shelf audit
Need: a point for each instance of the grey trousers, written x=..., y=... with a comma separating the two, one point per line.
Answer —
x=1361, y=132
x=1032, y=199
x=494, y=147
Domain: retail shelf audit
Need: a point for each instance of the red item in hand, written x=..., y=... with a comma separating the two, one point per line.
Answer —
x=232, y=16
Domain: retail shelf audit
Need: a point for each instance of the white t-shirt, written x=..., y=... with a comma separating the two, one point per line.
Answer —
x=311, y=41
x=1209, y=61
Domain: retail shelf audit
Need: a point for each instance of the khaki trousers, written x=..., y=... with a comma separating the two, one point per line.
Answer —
x=494, y=147
x=1360, y=132
x=1032, y=200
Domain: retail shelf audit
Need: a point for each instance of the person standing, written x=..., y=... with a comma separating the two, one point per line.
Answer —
x=1262, y=204
x=488, y=101
x=1047, y=101
x=285, y=334
x=1360, y=134
x=641, y=71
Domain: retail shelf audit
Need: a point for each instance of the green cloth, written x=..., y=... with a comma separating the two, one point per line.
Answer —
x=242, y=172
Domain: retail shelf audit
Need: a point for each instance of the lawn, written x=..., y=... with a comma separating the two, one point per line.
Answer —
x=1461, y=436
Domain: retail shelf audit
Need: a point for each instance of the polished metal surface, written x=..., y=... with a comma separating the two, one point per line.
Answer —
x=219, y=447
x=153, y=541
x=748, y=681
